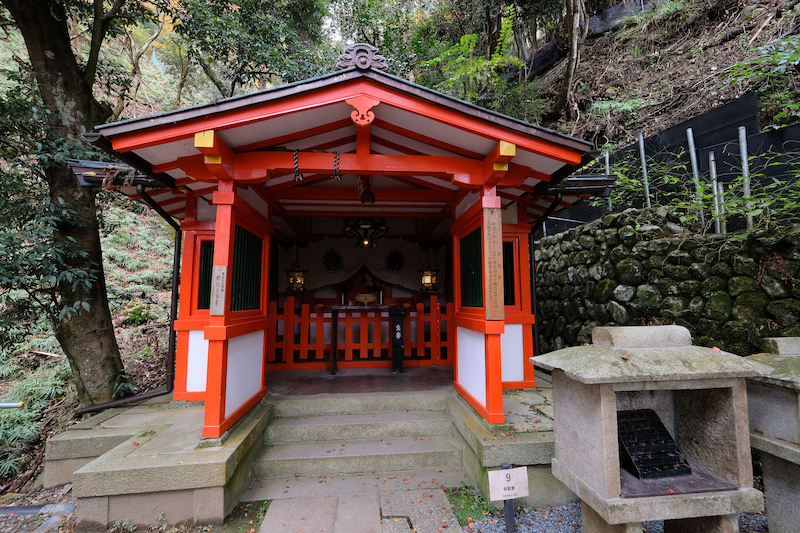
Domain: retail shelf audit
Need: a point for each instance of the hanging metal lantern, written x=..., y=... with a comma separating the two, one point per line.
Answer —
x=365, y=231
x=429, y=283
x=295, y=278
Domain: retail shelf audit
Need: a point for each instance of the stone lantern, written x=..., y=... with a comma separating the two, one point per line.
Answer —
x=775, y=429
x=678, y=411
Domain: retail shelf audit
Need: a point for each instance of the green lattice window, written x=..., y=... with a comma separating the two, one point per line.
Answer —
x=246, y=278
x=509, y=290
x=206, y=262
x=471, y=264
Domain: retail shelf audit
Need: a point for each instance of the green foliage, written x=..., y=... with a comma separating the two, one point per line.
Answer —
x=398, y=29
x=468, y=73
x=627, y=108
x=137, y=251
x=249, y=42
x=468, y=504
x=123, y=526
x=138, y=315
x=19, y=427
x=34, y=256
x=773, y=201
x=774, y=69
x=523, y=101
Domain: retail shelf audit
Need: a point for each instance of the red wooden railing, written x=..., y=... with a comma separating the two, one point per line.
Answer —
x=303, y=340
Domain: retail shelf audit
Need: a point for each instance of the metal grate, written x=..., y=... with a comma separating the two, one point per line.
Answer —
x=509, y=281
x=646, y=449
x=471, y=270
x=206, y=262
x=246, y=279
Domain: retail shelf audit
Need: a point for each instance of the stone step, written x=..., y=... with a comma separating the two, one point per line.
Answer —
x=363, y=425
x=328, y=458
x=361, y=483
x=368, y=402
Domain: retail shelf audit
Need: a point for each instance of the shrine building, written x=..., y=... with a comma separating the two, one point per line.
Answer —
x=340, y=221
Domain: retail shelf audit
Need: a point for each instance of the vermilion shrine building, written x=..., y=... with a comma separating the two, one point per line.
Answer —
x=299, y=176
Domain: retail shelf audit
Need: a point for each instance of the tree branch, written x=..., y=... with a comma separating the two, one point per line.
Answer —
x=99, y=29
x=210, y=73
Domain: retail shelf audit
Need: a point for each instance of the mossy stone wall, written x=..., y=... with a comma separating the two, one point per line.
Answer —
x=639, y=267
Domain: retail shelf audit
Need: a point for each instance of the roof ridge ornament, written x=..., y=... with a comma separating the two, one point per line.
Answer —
x=362, y=56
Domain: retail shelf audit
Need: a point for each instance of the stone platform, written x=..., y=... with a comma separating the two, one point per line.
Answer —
x=140, y=462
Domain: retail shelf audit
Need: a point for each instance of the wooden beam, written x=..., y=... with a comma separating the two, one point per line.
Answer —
x=253, y=166
x=194, y=166
x=363, y=140
x=363, y=211
x=345, y=194
x=308, y=179
x=216, y=155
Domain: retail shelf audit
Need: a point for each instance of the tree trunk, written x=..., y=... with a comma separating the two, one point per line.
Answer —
x=87, y=337
x=574, y=16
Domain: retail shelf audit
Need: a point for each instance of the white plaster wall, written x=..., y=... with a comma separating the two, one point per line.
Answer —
x=243, y=379
x=197, y=362
x=512, y=357
x=509, y=214
x=206, y=211
x=471, y=363
x=468, y=201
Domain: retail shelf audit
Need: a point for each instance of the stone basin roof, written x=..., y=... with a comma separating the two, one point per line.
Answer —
x=642, y=354
x=782, y=370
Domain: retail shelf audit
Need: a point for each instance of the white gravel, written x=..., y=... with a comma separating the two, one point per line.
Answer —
x=567, y=519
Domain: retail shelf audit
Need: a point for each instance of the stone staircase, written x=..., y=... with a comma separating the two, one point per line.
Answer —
x=357, y=443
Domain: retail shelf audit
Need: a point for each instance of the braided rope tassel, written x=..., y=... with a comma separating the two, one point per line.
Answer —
x=336, y=166
x=297, y=175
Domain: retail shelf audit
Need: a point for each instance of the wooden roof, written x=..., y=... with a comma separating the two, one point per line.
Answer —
x=423, y=151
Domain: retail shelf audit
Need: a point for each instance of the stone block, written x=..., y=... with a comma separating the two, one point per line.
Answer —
x=641, y=336
x=711, y=427
x=781, y=487
x=672, y=507
x=782, y=345
x=590, y=415
x=91, y=515
x=59, y=471
x=707, y=524
x=144, y=510
x=591, y=522
x=774, y=412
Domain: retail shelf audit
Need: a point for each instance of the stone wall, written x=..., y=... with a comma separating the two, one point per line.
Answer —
x=639, y=267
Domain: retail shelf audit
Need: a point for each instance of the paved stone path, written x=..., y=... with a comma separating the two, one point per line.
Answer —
x=399, y=511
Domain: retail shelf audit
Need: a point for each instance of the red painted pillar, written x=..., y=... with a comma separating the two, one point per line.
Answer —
x=494, y=305
x=219, y=313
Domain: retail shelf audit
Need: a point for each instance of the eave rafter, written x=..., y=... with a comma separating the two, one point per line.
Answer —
x=217, y=156
x=277, y=209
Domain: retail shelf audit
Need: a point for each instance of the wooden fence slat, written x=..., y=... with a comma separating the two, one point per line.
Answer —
x=305, y=322
x=297, y=348
x=319, y=345
x=435, y=318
